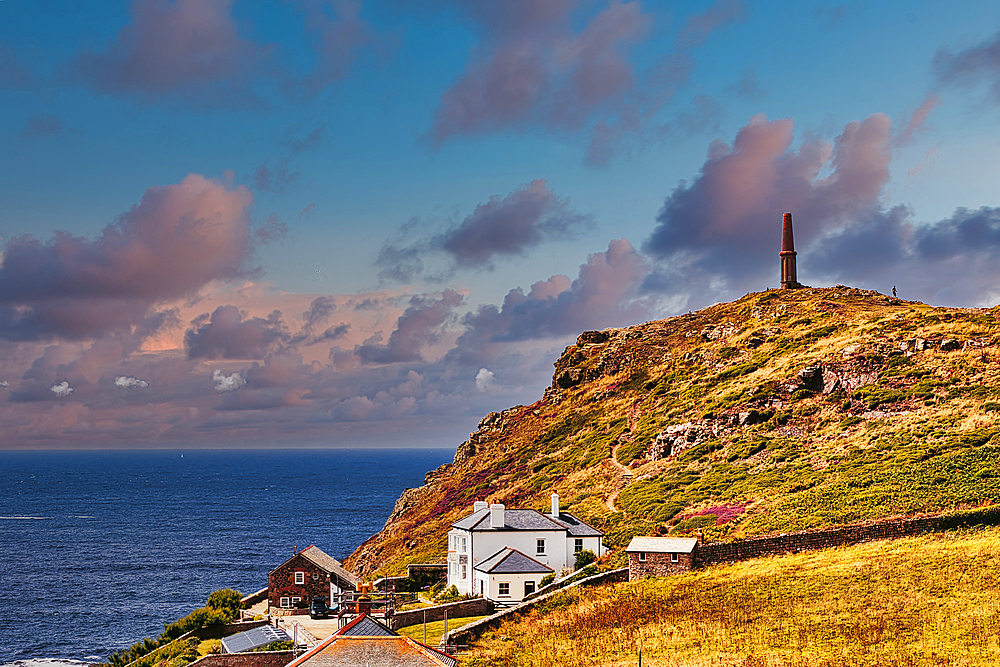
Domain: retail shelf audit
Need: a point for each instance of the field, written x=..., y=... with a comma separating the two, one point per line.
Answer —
x=919, y=601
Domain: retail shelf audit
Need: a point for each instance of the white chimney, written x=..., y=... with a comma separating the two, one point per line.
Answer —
x=555, y=504
x=496, y=516
x=479, y=505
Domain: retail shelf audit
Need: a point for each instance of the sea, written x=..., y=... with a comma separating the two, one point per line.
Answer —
x=100, y=549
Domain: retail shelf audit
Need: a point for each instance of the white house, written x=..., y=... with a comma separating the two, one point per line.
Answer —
x=489, y=550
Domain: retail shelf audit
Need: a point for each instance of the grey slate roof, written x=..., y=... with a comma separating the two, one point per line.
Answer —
x=251, y=639
x=511, y=561
x=330, y=564
x=512, y=519
x=662, y=545
x=366, y=626
x=576, y=527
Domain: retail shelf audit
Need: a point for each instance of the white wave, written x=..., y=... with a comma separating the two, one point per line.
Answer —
x=50, y=662
x=25, y=518
x=81, y=516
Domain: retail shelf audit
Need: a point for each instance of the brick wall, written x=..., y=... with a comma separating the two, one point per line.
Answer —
x=465, y=608
x=265, y=659
x=657, y=565
x=281, y=582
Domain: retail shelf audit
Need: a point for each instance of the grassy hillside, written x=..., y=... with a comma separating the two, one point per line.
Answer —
x=781, y=411
x=920, y=601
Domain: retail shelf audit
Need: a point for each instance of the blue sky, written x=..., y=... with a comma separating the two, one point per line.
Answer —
x=307, y=223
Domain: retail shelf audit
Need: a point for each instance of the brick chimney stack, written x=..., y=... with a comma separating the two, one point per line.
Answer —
x=789, y=279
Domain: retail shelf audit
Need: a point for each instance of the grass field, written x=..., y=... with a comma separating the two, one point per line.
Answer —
x=931, y=600
x=435, y=629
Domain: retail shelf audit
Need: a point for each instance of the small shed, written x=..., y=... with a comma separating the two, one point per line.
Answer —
x=659, y=556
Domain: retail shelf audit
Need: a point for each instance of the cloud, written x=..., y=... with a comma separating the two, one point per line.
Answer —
x=127, y=382
x=976, y=64
x=224, y=383
x=274, y=230
x=340, y=35
x=4, y=384
x=41, y=125
x=13, y=73
x=174, y=241
x=917, y=122
x=229, y=333
x=420, y=325
x=498, y=228
x=727, y=221
x=484, y=379
x=274, y=180
x=62, y=389
x=189, y=49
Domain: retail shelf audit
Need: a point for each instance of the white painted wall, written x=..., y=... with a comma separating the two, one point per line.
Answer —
x=491, y=585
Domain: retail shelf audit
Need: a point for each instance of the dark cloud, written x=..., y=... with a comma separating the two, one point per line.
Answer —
x=13, y=73
x=177, y=239
x=42, y=125
x=973, y=65
x=420, y=325
x=307, y=143
x=500, y=227
x=340, y=34
x=229, y=333
x=187, y=48
x=273, y=230
x=276, y=179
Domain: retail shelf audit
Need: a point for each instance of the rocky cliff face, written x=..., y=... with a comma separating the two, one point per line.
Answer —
x=740, y=419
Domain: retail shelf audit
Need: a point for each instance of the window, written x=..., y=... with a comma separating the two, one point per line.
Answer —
x=465, y=571
x=315, y=577
x=529, y=587
x=642, y=556
x=454, y=569
x=463, y=545
x=578, y=545
x=284, y=603
x=300, y=578
x=296, y=600
x=673, y=558
x=503, y=589
x=540, y=547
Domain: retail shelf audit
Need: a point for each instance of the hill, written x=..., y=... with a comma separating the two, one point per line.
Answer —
x=918, y=601
x=784, y=410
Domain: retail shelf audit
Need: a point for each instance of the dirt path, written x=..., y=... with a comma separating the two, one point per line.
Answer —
x=634, y=414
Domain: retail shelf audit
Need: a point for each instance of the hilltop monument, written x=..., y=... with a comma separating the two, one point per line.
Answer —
x=789, y=279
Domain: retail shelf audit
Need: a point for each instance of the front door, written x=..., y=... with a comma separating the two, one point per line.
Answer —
x=529, y=588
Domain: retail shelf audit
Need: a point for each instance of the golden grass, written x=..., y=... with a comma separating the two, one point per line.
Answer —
x=435, y=629
x=931, y=600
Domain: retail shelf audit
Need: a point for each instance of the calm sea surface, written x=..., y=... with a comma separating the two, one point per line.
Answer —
x=100, y=549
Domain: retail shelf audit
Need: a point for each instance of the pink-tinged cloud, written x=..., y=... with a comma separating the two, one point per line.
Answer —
x=724, y=221
x=498, y=228
x=229, y=333
x=183, y=48
x=537, y=70
x=917, y=122
x=173, y=242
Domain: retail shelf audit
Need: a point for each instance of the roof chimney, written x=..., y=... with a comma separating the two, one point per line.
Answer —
x=479, y=505
x=555, y=504
x=496, y=516
x=789, y=280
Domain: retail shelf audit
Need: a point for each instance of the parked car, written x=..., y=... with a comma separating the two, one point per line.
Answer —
x=318, y=608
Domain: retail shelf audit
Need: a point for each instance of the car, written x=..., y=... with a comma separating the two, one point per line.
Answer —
x=318, y=608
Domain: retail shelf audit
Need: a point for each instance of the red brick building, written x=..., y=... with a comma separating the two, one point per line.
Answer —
x=659, y=556
x=308, y=574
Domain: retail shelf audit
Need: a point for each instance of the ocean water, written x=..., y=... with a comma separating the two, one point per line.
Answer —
x=99, y=549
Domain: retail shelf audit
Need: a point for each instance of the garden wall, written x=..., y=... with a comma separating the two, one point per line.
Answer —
x=465, y=608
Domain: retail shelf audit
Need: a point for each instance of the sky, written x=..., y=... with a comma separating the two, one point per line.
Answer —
x=368, y=223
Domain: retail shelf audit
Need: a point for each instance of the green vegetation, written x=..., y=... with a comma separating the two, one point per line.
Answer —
x=918, y=601
x=169, y=651
x=584, y=558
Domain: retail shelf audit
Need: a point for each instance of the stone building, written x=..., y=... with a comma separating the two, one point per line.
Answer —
x=659, y=556
x=308, y=574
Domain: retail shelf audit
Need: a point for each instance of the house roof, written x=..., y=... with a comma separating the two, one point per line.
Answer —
x=365, y=626
x=328, y=563
x=524, y=520
x=251, y=639
x=352, y=646
x=676, y=545
x=511, y=561
x=576, y=527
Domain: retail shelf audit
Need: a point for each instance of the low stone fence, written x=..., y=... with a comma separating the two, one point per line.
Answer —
x=463, y=609
x=217, y=631
x=470, y=632
x=253, y=598
x=262, y=659
x=824, y=538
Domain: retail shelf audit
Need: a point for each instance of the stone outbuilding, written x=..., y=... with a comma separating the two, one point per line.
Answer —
x=308, y=574
x=659, y=556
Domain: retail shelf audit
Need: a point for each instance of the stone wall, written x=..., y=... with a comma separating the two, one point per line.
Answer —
x=463, y=609
x=281, y=582
x=264, y=659
x=657, y=565
x=217, y=631
x=823, y=538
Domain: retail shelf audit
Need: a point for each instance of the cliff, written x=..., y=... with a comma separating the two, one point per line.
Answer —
x=784, y=410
